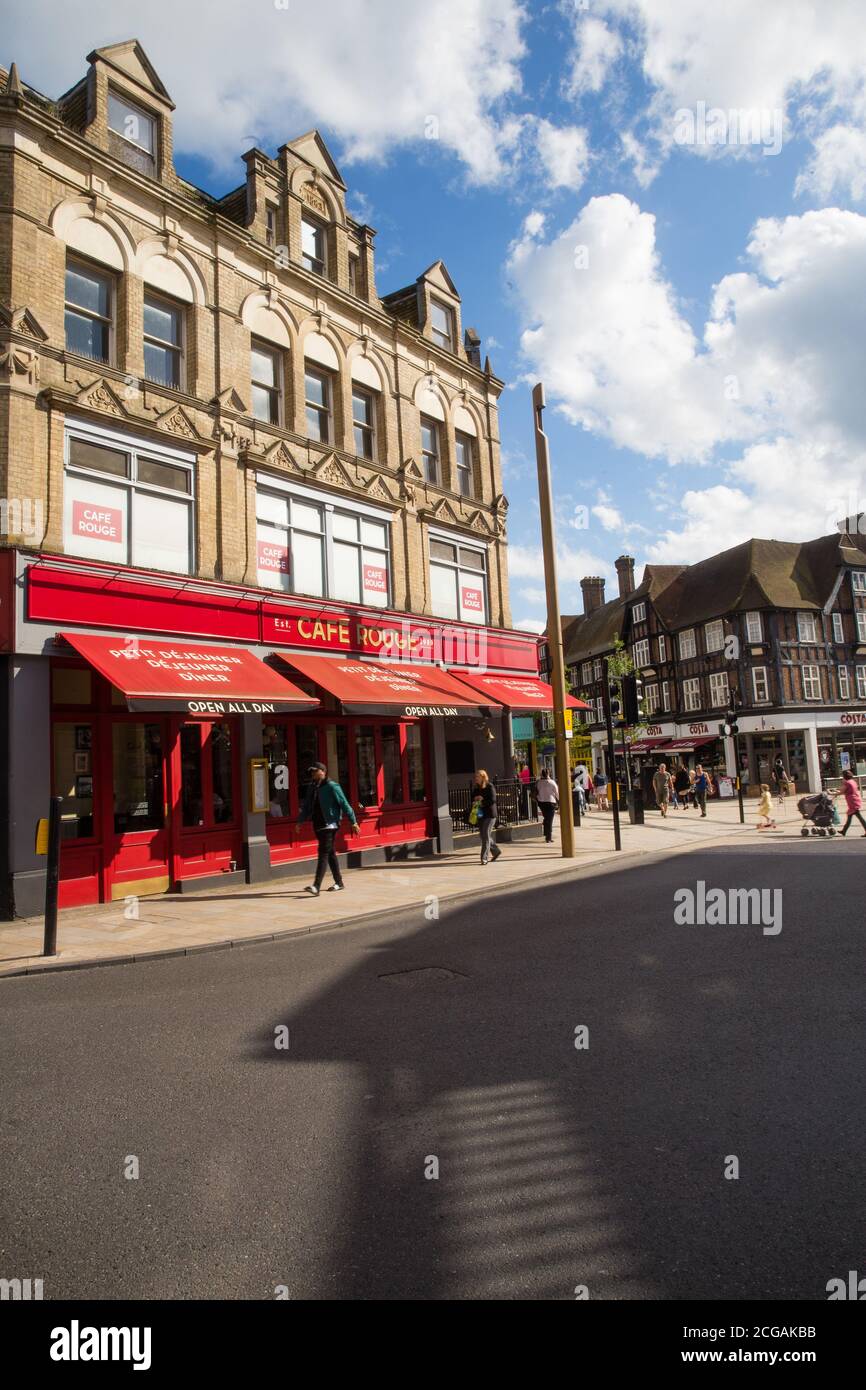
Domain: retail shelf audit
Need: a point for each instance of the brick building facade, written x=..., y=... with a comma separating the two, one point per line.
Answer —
x=213, y=389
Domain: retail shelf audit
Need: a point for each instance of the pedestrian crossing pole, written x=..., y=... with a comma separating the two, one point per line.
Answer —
x=554, y=626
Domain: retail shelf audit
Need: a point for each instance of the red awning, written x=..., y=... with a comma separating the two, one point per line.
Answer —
x=383, y=687
x=688, y=745
x=647, y=745
x=517, y=692
x=157, y=675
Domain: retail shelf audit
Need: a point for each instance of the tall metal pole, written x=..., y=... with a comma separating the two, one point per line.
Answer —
x=554, y=627
x=52, y=878
x=611, y=754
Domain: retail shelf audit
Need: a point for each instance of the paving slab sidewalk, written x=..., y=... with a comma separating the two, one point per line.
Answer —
x=171, y=924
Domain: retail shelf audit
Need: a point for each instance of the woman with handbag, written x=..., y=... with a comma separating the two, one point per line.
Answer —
x=482, y=815
x=547, y=795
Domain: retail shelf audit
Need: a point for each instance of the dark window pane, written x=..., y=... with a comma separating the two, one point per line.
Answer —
x=137, y=771
x=72, y=742
x=365, y=757
x=87, y=337
x=275, y=748
x=471, y=559
x=86, y=455
x=163, y=475
x=439, y=550
x=316, y=389
x=221, y=770
x=307, y=750
x=162, y=321
x=161, y=365
x=265, y=405
x=415, y=759
x=391, y=764
x=192, y=801
x=87, y=289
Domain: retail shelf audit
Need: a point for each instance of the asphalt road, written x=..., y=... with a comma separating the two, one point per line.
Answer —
x=454, y=1040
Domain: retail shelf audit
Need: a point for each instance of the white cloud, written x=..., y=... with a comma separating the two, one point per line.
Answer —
x=536, y=625
x=371, y=75
x=610, y=518
x=804, y=60
x=596, y=48
x=564, y=154
x=839, y=164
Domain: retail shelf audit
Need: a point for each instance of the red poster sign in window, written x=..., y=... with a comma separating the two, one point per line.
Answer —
x=273, y=558
x=101, y=523
x=375, y=579
x=473, y=600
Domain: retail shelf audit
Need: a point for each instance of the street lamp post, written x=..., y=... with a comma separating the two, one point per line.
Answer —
x=554, y=626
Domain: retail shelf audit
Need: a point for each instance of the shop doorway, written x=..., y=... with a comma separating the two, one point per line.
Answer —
x=136, y=813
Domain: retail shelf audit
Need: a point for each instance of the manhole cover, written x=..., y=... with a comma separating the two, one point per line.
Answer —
x=422, y=975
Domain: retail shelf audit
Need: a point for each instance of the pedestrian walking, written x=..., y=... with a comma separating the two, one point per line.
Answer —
x=601, y=789
x=547, y=795
x=682, y=784
x=853, y=800
x=765, y=808
x=701, y=788
x=484, y=806
x=662, y=787
x=780, y=779
x=578, y=789
x=325, y=805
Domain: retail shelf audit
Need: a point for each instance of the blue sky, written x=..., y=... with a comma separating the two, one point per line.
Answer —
x=693, y=298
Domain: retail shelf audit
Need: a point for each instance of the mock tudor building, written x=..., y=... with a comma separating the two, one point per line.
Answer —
x=232, y=479
x=777, y=627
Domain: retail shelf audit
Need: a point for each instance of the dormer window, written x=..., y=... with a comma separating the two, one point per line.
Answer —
x=312, y=245
x=136, y=128
x=441, y=324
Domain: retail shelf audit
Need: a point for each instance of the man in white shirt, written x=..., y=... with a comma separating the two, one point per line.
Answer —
x=547, y=795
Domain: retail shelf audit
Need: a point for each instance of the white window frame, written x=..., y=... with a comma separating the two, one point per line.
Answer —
x=443, y=340
x=180, y=347
x=666, y=696
x=427, y=421
x=638, y=613
x=760, y=699
x=597, y=669
x=689, y=633
x=82, y=265
x=135, y=110
x=651, y=699
x=267, y=482
x=586, y=673
x=267, y=349
x=692, y=694
x=366, y=428
x=720, y=690
x=464, y=472
x=861, y=624
x=434, y=533
x=714, y=636
x=319, y=264
x=811, y=677
x=844, y=680
x=858, y=581
x=806, y=623
x=312, y=369
x=663, y=647
x=838, y=628
x=134, y=445
x=754, y=626
x=640, y=655
x=861, y=682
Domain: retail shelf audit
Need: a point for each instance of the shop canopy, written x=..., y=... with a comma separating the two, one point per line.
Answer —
x=688, y=745
x=383, y=687
x=516, y=692
x=648, y=745
x=157, y=675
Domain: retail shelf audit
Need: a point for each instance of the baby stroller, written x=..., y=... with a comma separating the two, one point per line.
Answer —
x=819, y=810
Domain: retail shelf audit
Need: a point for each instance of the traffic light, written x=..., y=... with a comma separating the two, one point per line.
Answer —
x=613, y=690
x=632, y=698
x=730, y=726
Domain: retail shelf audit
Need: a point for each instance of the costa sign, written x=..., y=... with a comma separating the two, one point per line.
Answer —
x=857, y=717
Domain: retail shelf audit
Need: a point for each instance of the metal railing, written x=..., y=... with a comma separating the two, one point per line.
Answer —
x=515, y=802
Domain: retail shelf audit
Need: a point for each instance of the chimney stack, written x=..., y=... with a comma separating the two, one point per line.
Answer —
x=625, y=575
x=593, y=593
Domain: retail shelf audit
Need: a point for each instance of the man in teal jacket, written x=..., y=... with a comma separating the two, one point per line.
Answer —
x=325, y=805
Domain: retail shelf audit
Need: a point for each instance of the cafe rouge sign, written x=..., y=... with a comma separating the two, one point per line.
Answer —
x=405, y=639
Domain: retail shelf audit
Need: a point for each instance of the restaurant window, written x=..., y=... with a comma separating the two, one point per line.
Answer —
x=363, y=421
x=392, y=766
x=317, y=397
x=415, y=760
x=89, y=311
x=337, y=754
x=806, y=627
x=222, y=790
x=760, y=685
x=191, y=782
x=310, y=547
x=365, y=765
x=127, y=503
x=73, y=779
x=266, y=369
x=692, y=693
x=754, y=631
x=459, y=757
x=312, y=245
x=464, y=448
x=163, y=341
x=719, y=689
x=430, y=452
x=811, y=682
x=306, y=754
x=458, y=580
x=276, y=750
x=137, y=763
x=838, y=629
x=844, y=684
x=441, y=324
x=687, y=644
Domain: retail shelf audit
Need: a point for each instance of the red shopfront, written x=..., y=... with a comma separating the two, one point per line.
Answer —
x=155, y=783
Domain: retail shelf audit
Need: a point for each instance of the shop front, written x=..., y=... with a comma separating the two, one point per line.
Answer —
x=177, y=718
